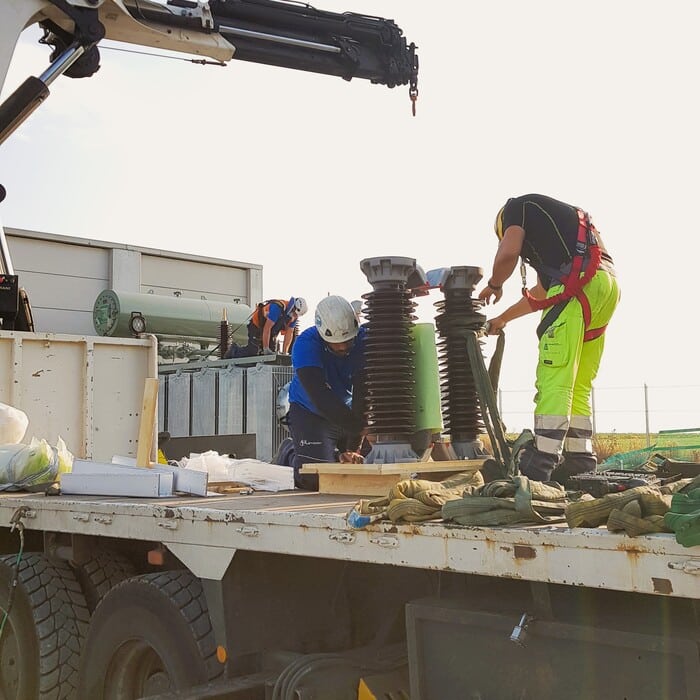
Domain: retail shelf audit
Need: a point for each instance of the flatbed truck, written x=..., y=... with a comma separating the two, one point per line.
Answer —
x=275, y=596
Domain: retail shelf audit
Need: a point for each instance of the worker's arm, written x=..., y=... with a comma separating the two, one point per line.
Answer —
x=504, y=263
x=520, y=308
x=267, y=330
x=288, y=337
x=330, y=406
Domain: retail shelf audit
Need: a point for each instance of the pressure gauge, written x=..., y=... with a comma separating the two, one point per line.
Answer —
x=137, y=323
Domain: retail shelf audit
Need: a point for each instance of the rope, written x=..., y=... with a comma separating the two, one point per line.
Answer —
x=15, y=523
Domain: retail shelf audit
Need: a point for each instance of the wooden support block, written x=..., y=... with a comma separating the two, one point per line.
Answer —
x=147, y=423
x=377, y=479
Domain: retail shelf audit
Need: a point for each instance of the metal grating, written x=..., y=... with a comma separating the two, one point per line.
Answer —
x=224, y=400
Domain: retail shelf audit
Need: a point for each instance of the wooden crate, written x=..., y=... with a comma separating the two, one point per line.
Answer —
x=377, y=479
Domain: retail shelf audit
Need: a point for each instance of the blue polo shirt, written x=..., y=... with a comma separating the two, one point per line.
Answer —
x=311, y=351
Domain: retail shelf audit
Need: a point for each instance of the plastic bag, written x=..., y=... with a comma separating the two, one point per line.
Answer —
x=25, y=466
x=13, y=424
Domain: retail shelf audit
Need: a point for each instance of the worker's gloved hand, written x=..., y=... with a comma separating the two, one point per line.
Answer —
x=267, y=351
x=495, y=325
x=351, y=458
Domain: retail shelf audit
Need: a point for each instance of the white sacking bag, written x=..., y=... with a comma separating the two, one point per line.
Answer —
x=13, y=424
x=260, y=476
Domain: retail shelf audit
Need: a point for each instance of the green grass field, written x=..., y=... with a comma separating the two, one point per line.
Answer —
x=609, y=444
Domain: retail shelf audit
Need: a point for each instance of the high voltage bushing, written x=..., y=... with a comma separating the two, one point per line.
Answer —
x=390, y=367
x=458, y=315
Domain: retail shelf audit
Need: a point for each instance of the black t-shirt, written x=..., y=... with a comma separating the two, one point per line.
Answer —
x=551, y=230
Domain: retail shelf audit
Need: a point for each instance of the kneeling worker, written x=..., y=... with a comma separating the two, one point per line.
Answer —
x=326, y=411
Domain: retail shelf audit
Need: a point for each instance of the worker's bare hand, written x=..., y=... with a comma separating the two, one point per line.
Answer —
x=487, y=294
x=351, y=458
x=496, y=325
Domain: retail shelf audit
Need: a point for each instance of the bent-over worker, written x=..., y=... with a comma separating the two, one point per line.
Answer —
x=269, y=319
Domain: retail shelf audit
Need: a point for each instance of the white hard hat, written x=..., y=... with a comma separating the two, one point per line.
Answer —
x=336, y=321
x=300, y=306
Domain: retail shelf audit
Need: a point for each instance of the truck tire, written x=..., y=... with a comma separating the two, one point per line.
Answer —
x=101, y=573
x=150, y=634
x=43, y=636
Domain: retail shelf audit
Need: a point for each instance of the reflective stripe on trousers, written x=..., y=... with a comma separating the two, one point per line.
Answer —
x=567, y=367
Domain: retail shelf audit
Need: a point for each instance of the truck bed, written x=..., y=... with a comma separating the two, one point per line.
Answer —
x=312, y=524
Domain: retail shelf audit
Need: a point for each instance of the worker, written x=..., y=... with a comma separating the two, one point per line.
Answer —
x=326, y=396
x=577, y=292
x=269, y=319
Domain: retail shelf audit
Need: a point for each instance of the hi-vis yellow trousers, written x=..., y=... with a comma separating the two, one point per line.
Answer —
x=566, y=368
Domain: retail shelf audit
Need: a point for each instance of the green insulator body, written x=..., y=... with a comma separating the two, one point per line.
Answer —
x=427, y=388
x=168, y=316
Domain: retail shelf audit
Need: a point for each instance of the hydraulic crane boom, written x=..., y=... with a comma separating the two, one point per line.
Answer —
x=276, y=33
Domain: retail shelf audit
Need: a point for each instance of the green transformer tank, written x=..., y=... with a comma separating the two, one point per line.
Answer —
x=125, y=314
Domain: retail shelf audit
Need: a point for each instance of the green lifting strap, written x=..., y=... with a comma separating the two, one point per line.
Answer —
x=505, y=451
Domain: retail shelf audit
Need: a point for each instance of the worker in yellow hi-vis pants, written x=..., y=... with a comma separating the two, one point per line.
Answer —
x=577, y=293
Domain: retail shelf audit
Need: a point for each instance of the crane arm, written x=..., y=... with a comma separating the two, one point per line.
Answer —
x=283, y=34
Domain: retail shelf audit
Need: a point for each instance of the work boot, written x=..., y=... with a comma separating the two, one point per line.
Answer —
x=574, y=463
x=536, y=465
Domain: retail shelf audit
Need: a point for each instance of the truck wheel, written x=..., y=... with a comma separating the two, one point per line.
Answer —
x=101, y=573
x=150, y=634
x=43, y=636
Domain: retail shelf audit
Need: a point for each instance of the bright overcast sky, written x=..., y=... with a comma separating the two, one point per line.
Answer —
x=593, y=103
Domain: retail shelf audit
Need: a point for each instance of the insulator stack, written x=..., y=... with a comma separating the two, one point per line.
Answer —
x=224, y=336
x=390, y=369
x=458, y=315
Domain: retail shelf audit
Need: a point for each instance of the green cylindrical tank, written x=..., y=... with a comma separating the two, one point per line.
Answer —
x=168, y=315
x=428, y=408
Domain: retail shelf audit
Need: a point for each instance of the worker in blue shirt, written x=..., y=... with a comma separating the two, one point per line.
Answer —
x=269, y=319
x=326, y=396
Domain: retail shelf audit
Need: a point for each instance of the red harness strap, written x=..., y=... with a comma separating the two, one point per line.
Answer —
x=574, y=281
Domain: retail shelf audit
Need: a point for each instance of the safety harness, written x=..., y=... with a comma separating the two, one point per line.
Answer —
x=264, y=305
x=575, y=275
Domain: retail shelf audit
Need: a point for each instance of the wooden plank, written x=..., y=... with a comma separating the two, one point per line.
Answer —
x=455, y=465
x=377, y=479
x=147, y=423
x=357, y=484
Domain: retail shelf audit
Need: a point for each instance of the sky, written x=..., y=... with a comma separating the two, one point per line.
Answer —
x=307, y=174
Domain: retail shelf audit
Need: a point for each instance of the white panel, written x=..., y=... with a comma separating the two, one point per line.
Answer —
x=263, y=383
x=125, y=273
x=62, y=321
x=51, y=257
x=161, y=402
x=231, y=382
x=204, y=402
x=179, y=404
x=147, y=485
x=193, y=278
x=61, y=291
x=119, y=383
x=88, y=391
